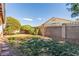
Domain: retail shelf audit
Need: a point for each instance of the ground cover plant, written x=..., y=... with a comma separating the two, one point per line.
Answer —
x=41, y=47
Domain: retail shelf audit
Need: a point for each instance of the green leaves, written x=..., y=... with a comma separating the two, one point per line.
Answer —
x=38, y=47
x=29, y=29
x=12, y=24
x=41, y=47
x=74, y=8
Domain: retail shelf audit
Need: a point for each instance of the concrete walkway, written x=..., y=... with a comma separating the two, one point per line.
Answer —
x=4, y=48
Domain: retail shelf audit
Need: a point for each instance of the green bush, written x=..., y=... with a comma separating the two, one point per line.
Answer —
x=11, y=41
x=27, y=29
x=12, y=24
x=39, y=47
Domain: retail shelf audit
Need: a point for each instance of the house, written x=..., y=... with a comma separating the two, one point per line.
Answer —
x=56, y=22
x=1, y=18
x=24, y=32
x=53, y=27
x=16, y=31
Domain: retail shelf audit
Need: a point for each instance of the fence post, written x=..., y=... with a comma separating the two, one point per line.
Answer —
x=42, y=30
x=63, y=31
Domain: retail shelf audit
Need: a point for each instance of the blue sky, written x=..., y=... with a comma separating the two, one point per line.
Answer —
x=37, y=13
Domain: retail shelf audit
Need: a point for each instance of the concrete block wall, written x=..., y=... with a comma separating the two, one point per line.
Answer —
x=67, y=32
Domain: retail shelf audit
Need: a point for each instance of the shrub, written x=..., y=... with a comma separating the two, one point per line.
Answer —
x=12, y=24
x=27, y=29
x=39, y=47
x=11, y=41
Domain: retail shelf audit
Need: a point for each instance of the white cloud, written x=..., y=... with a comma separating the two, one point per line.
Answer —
x=28, y=19
x=39, y=18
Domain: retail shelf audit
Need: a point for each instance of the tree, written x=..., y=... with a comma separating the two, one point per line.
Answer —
x=74, y=9
x=36, y=30
x=27, y=29
x=11, y=25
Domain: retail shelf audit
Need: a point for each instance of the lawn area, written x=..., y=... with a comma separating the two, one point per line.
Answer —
x=25, y=36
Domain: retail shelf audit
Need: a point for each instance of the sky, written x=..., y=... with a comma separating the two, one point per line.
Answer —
x=35, y=14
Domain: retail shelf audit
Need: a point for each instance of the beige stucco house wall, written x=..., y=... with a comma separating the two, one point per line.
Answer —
x=1, y=18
